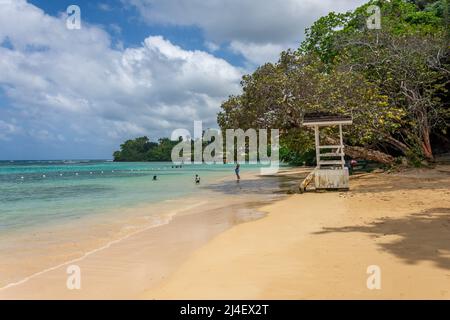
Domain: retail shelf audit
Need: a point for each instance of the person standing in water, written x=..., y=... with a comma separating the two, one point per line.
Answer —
x=197, y=179
x=238, y=177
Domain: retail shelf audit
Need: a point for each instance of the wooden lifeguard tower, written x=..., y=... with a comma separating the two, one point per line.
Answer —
x=330, y=172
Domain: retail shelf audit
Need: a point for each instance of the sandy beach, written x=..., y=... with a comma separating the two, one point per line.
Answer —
x=124, y=252
x=257, y=244
x=319, y=246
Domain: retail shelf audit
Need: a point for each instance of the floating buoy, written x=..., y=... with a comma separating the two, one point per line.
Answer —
x=43, y=176
x=102, y=171
x=76, y=173
x=90, y=172
x=22, y=178
x=60, y=174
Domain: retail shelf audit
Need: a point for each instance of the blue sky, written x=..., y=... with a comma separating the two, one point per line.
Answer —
x=136, y=67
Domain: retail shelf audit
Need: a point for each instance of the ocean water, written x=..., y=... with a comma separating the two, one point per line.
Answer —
x=34, y=193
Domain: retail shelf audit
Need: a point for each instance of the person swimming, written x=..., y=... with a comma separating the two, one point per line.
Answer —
x=197, y=179
x=238, y=177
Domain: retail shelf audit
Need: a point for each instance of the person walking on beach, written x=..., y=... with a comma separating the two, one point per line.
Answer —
x=238, y=177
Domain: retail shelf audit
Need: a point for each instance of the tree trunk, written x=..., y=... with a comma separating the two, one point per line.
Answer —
x=368, y=154
x=398, y=145
x=426, y=144
x=364, y=153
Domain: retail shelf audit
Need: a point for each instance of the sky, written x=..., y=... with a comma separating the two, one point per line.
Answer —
x=134, y=68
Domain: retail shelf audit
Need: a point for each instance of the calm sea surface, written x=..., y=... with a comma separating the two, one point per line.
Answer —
x=36, y=192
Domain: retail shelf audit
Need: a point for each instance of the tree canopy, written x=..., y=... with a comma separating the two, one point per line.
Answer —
x=142, y=149
x=393, y=81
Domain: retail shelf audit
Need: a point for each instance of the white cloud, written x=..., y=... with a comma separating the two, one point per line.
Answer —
x=46, y=136
x=249, y=25
x=115, y=28
x=7, y=130
x=211, y=46
x=258, y=53
x=74, y=83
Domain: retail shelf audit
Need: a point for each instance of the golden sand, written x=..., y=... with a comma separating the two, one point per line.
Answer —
x=320, y=245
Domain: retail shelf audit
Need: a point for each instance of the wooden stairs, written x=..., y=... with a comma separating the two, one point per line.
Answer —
x=304, y=184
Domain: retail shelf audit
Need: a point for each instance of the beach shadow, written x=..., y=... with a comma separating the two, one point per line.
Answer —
x=262, y=185
x=373, y=184
x=425, y=236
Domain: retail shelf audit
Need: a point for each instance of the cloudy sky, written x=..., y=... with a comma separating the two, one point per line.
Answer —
x=136, y=67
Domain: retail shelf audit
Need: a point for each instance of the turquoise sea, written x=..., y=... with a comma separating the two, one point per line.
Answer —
x=33, y=193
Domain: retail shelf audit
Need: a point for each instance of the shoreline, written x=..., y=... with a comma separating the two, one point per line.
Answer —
x=208, y=214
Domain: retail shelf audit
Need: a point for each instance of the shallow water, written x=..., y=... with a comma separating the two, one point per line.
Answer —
x=39, y=192
x=54, y=212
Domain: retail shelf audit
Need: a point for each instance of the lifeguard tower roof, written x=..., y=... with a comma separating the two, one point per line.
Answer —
x=326, y=119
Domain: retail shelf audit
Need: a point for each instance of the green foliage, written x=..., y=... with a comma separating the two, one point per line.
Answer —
x=294, y=147
x=321, y=37
x=393, y=81
x=142, y=149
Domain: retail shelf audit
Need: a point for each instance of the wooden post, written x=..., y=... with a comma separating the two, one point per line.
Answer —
x=316, y=133
x=342, y=146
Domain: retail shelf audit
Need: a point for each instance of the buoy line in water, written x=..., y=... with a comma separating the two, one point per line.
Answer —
x=90, y=173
